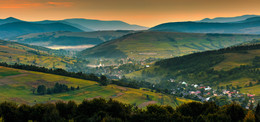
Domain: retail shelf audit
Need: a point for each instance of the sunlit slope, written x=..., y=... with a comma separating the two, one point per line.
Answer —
x=12, y=52
x=163, y=44
x=16, y=85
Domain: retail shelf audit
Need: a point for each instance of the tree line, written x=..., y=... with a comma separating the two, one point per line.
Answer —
x=58, y=88
x=99, y=109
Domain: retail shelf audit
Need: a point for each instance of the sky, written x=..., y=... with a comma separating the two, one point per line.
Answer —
x=142, y=12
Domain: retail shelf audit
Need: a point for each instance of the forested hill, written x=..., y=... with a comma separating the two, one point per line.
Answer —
x=152, y=44
x=21, y=28
x=234, y=65
x=66, y=38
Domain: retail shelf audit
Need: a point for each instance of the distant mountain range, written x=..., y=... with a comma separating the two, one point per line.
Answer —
x=21, y=28
x=105, y=25
x=11, y=27
x=228, y=19
x=247, y=26
x=85, y=24
x=97, y=25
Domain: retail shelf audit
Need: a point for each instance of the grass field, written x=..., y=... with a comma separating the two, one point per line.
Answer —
x=16, y=85
x=11, y=52
x=233, y=60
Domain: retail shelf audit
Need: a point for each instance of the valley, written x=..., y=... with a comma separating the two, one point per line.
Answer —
x=129, y=61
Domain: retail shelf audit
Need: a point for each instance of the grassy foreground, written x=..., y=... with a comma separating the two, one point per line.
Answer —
x=16, y=85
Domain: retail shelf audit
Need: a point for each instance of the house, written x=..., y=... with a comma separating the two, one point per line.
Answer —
x=208, y=88
x=184, y=83
x=192, y=92
x=207, y=99
x=172, y=80
x=198, y=92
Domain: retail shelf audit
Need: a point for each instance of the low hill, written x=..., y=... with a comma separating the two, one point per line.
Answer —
x=237, y=65
x=247, y=27
x=16, y=86
x=12, y=52
x=65, y=38
x=21, y=28
x=163, y=44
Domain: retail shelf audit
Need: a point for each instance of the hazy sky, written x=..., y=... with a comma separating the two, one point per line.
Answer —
x=141, y=12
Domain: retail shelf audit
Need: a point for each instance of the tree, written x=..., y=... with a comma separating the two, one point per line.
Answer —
x=72, y=88
x=257, y=112
x=235, y=111
x=24, y=112
x=57, y=88
x=49, y=91
x=250, y=84
x=103, y=80
x=250, y=117
x=45, y=113
x=71, y=108
x=41, y=90
x=9, y=112
x=33, y=90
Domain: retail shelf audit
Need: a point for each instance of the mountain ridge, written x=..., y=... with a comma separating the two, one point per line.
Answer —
x=155, y=44
x=21, y=28
x=228, y=19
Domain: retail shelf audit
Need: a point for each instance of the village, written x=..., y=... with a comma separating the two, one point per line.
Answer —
x=221, y=95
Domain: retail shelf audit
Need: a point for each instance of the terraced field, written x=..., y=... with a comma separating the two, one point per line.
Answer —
x=16, y=85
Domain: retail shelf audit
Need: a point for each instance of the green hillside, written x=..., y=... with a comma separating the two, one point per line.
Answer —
x=12, y=52
x=16, y=85
x=163, y=44
x=66, y=38
x=238, y=66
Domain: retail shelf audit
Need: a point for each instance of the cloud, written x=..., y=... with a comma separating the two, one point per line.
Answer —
x=12, y=4
x=60, y=4
x=25, y=5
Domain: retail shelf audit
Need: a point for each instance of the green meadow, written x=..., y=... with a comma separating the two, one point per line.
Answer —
x=16, y=85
